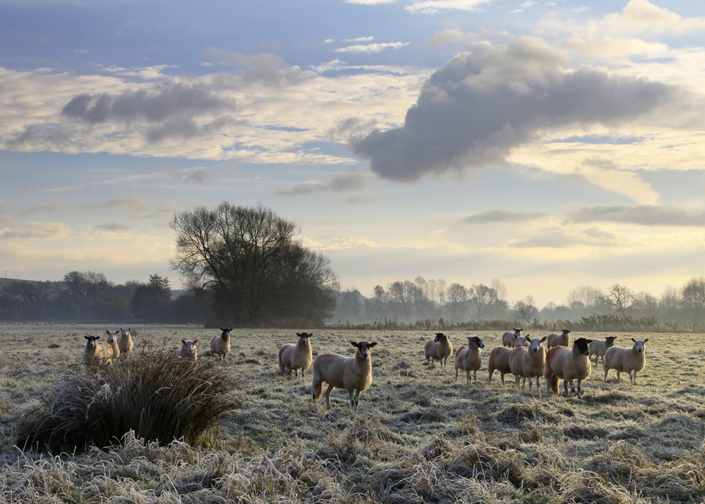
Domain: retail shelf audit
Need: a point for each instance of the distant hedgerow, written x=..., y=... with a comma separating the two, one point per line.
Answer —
x=155, y=394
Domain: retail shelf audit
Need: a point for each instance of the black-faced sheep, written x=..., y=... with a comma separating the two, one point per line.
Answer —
x=439, y=348
x=353, y=374
x=220, y=345
x=568, y=364
x=468, y=358
x=95, y=354
x=509, y=338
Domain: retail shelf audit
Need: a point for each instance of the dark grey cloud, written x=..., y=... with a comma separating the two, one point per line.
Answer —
x=351, y=129
x=643, y=215
x=495, y=216
x=266, y=68
x=112, y=227
x=486, y=102
x=59, y=135
x=353, y=181
x=170, y=107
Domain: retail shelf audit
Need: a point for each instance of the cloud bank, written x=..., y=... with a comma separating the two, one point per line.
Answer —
x=486, y=102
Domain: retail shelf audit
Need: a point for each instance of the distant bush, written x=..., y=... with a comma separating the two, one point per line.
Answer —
x=152, y=393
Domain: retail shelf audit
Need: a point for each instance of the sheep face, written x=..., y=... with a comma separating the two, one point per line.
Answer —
x=517, y=332
x=565, y=331
x=111, y=336
x=91, y=341
x=440, y=337
x=476, y=341
x=582, y=345
x=363, y=348
x=225, y=334
x=303, y=338
x=639, y=345
x=189, y=346
x=535, y=344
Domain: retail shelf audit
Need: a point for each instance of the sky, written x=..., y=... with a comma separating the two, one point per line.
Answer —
x=551, y=145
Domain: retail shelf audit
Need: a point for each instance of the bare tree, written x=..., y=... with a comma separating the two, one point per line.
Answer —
x=694, y=297
x=621, y=299
x=669, y=303
x=526, y=310
x=457, y=301
x=481, y=298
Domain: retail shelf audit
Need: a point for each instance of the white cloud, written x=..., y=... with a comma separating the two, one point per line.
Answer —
x=359, y=39
x=434, y=6
x=371, y=48
x=643, y=16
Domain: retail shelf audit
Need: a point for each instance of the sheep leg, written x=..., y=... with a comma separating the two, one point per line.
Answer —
x=502, y=375
x=456, y=373
x=474, y=376
x=328, y=391
x=516, y=379
x=288, y=374
x=604, y=380
x=565, y=386
x=630, y=377
x=580, y=391
x=619, y=378
x=489, y=378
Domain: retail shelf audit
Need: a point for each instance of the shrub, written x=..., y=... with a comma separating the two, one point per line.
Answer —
x=155, y=394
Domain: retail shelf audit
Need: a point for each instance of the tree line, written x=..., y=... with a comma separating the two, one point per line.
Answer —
x=243, y=266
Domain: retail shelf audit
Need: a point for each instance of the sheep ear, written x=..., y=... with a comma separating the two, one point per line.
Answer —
x=107, y=332
x=87, y=337
x=543, y=339
x=183, y=341
x=97, y=337
x=298, y=334
x=374, y=343
x=353, y=343
x=194, y=342
x=633, y=340
x=647, y=339
x=588, y=341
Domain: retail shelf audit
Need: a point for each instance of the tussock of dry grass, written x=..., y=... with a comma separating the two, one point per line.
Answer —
x=153, y=393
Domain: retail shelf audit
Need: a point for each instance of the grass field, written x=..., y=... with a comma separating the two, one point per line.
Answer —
x=420, y=435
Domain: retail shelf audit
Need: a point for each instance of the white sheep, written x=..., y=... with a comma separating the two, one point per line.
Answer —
x=113, y=344
x=439, y=348
x=599, y=347
x=353, y=374
x=295, y=357
x=187, y=351
x=555, y=340
x=509, y=338
x=568, y=364
x=95, y=353
x=125, y=342
x=529, y=362
x=625, y=360
x=220, y=345
x=468, y=358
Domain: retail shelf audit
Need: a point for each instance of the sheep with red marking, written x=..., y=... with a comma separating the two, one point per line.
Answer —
x=295, y=357
x=509, y=338
x=562, y=339
x=439, y=348
x=529, y=362
x=568, y=364
x=625, y=360
x=353, y=374
x=599, y=347
x=468, y=358
x=220, y=345
x=95, y=353
x=499, y=358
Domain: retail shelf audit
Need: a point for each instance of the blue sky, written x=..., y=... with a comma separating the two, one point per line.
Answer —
x=549, y=144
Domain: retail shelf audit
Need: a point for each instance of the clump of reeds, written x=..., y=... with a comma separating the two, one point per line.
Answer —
x=157, y=395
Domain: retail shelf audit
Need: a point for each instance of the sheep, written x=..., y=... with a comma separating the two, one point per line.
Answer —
x=499, y=359
x=187, y=351
x=599, y=347
x=568, y=365
x=509, y=338
x=468, y=359
x=625, y=360
x=440, y=348
x=295, y=357
x=555, y=340
x=353, y=374
x=220, y=345
x=113, y=344
x=95, y=353
x=529, y=362
x=125, y=341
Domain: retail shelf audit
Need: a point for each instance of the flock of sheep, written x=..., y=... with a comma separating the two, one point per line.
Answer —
x=522, y=356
